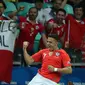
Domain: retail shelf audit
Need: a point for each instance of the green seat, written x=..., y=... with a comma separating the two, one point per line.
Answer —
x=26, y=5
x=69, y=9
x=10, y=7
x=47, y=5
x=36, y=42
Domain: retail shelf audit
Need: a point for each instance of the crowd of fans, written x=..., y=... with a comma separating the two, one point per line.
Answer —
x=69, y=25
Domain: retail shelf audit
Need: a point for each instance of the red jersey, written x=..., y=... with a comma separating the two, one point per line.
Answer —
x=59, y=59
x=59, y=30
x=75, y=31
x=28, y=32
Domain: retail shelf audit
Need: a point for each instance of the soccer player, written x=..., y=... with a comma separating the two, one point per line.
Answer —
x=54, y=62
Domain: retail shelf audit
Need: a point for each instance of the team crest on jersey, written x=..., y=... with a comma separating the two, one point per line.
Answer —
x=37, y=27
x=57, y=54
x=32, y=29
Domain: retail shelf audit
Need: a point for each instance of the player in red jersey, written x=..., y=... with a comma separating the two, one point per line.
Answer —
x=54, y=62
x=29, y=28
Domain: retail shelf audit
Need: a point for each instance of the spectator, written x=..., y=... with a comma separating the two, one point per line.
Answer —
x=56, y=5
x=56, y=26
x=6, y=56
x=42, y=14
x=54, y=62
x=75, y=31
x=29, y=28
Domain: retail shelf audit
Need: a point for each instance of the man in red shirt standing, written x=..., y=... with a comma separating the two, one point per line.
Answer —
x=29, y=28
x=56, y=26
x=54, y=62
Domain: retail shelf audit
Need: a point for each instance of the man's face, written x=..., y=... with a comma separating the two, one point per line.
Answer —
x=57, y=4
x=60, y=16
x=33, y=14
x=1, y=9
x=39, y=5
x=78, y=12
x=51, y=43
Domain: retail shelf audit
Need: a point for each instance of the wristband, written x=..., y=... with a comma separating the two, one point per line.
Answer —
x=55, y=69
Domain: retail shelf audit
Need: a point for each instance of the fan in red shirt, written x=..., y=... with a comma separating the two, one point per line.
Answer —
x=54, y=62
x=56, y=26
x=76, y=27
x=6, y=56
x=29, y=28
x=75, y=32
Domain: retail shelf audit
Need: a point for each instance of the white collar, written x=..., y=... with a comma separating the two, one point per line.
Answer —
x=30, y=21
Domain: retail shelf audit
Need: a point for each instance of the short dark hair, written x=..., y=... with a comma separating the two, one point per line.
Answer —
x=55, y=36
x=78, y=6
x=3, y=3
x=61, y=10
x=33, y=8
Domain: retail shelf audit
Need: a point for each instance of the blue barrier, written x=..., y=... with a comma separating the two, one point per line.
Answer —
x=22, y=75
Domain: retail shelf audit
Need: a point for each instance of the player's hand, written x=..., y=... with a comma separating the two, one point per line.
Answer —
x=50, y=68
x=25, y=45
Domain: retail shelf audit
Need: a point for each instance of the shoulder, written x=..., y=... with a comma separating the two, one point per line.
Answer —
x=62, y=51
x=44, y=50
x=21, y=18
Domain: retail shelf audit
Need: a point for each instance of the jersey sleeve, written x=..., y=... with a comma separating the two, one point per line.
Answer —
x=37, y=56
x=66, y=59
x=41, y=29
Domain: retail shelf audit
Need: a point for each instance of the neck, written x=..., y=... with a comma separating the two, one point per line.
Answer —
x=59, y=23
x=33, y=21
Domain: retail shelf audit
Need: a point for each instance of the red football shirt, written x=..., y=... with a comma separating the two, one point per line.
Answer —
x=59, y=30
x=59, y=59
x=28, y=32
x=75, y=31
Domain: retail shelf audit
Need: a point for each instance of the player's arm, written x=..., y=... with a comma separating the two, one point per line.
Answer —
x=29, y=60
x=65, y=70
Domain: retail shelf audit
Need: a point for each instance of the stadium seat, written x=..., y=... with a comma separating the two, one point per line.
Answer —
x=36, y=42
x=10, y=8
x=69, y=9
x=26, y=6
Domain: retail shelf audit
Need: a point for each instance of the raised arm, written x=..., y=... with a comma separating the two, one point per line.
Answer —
x=29, y=60
x=63, y=3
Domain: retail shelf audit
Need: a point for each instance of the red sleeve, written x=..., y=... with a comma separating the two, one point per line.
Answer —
x=51, y=20
x=37, y=56
x=66, y=59
x=41, y=28
x=22, y=19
